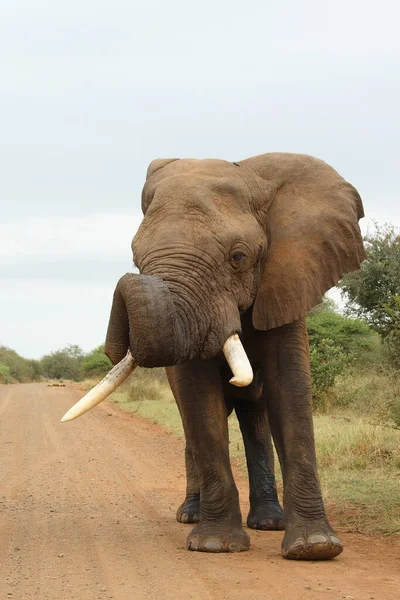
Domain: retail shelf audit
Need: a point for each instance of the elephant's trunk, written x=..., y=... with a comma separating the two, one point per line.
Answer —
x=144, y=317
x=160, y=329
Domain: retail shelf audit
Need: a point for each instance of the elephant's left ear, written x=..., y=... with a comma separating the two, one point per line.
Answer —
x=312, y=232
x=154, y=174
x=157, y=164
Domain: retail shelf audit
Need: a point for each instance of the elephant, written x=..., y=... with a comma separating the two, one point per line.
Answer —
x=229, y=249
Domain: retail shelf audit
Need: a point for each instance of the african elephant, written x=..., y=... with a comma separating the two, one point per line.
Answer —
x=242, y=248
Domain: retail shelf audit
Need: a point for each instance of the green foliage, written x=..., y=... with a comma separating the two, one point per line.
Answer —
x=336, y=343
x=351, y=335
x=373, y=293
x=35, y=369
x=96, y=363
x=5, y=375
x=390, y=327
x=68, y=363
x=19, y=368
x=327, y=361
x=62, y=364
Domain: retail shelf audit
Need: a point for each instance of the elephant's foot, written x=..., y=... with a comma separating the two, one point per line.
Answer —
x=189, y=510
x=268, y=516
x=215, y=537
x=310, y=541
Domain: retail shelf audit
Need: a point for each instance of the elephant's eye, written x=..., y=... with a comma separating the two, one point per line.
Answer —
x=237, y=257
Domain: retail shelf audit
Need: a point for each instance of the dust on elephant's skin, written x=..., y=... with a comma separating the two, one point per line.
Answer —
x=249, y=248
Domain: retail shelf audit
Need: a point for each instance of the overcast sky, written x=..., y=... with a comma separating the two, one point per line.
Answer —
x=92, y=91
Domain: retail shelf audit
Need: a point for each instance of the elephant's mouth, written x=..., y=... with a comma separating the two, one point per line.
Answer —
x=233, y=351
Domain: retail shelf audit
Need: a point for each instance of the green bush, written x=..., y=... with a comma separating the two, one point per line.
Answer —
x=61, y=365
x=327, y=360
x=20, y=369
x=336, y=343
x=391, y=338
x=5, y=375
x=96, y=363
x=35, y=369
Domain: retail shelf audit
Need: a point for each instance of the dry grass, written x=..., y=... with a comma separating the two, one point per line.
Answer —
x=373, y=392
x=359, y=467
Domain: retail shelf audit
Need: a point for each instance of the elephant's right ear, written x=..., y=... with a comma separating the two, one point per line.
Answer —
x=154, y=167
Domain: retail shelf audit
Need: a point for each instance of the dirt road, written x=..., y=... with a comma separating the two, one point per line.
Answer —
x=87, y=512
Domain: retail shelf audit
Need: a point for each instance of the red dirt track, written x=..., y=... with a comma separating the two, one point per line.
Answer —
x=87, y=511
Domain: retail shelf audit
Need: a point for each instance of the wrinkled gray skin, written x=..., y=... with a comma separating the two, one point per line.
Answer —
x=243, y=247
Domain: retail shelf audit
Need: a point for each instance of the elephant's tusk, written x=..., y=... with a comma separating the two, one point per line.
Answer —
x=237, y=360
x=104, y=388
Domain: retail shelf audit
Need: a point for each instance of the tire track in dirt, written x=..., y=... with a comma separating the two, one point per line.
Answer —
x=87, y=511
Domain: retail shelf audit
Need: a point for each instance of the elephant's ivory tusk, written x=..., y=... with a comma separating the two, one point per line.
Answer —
x=237, y=360
x=104, y=388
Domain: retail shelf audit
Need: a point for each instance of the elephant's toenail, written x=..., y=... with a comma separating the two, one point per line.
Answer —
x=213, y=544
x=317, y=539
x=298, y=544
x=193, y=544
x=335, y=540
x=235, y=547
x=267, y=524
x=184, y=518
x=196, y=518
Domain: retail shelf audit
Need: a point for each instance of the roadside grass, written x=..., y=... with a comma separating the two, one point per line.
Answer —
x=359, y=467
x=373, y=392
x=358, y=444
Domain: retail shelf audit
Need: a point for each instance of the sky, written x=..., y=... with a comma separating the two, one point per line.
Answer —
x=92, y=91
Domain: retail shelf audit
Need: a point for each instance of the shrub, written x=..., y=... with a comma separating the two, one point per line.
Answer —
x=327, y=360
x=61, y=365
x=20, y=369
x=336, y=343
x=96, y=363
x=35, y=369
x=5, y=375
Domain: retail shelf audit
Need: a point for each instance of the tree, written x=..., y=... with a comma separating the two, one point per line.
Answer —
x=373, y=293
x=74, y=350
x=61, y=365
x=96, y=363
x=19, y=368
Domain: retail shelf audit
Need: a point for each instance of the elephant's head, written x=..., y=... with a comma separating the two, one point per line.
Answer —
x=271, y=233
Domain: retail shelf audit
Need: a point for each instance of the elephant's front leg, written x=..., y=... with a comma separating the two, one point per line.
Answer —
x=198, y=390
x=265, y=510
x=308, y=533
x=189, y=510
